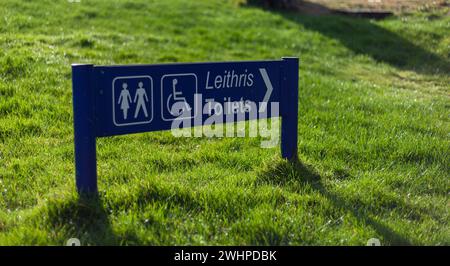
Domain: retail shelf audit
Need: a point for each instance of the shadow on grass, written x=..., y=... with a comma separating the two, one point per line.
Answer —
x=364, y=37
x=84, y=218
x=284, y=173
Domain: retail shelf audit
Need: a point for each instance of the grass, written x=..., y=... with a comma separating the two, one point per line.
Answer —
x=398, y=6
x=373, y=130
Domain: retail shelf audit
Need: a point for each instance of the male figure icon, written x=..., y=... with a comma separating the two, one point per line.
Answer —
x=141, y=98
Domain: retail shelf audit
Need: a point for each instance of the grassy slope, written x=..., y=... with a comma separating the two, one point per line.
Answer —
x=373, y=130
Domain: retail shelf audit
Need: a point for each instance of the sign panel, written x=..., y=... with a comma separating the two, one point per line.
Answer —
x=131, y=99
x=115, y=100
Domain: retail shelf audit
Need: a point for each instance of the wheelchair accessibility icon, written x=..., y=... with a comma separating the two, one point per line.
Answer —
x=177, y=88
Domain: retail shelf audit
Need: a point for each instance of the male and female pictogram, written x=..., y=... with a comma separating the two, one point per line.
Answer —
x=132, y=100
x=125, y=100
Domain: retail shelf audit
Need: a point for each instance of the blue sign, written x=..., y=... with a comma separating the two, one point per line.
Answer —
x=115, y=100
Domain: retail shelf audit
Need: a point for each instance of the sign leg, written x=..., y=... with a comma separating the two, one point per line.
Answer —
x=289, y=105
x=84, y=130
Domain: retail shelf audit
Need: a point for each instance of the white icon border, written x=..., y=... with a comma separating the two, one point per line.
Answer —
x=162, y=94
x=114, y=105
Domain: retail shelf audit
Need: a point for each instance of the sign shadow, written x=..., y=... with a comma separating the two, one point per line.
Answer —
x=287, y=173
x=85, y=219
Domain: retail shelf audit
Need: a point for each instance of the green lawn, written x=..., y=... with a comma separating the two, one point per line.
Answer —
x=374, y=111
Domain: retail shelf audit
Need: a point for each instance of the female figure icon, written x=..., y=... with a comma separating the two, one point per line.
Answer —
x=124, y=100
